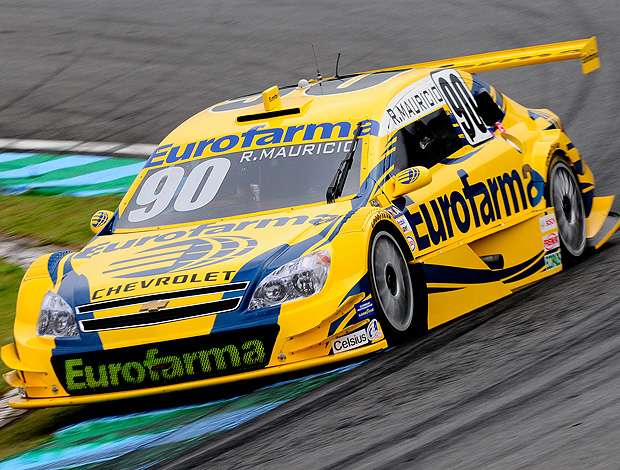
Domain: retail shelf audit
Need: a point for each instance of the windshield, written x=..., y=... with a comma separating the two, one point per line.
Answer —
x=239, y=183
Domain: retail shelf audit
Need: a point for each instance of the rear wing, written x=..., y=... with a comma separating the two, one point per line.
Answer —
x=584, y=49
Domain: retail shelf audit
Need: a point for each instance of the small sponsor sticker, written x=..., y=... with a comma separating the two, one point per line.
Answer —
x=404, y=224
x=553, y=260
x=394, y=211
x=365, y=309
x=374, y=330
x=547, y=223
x=411, y=242
x=551, y=241
x=354, y=340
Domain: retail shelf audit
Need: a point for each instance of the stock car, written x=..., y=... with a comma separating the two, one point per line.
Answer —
x=307, y=225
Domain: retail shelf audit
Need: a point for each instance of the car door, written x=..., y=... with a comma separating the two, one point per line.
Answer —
x=478, y=178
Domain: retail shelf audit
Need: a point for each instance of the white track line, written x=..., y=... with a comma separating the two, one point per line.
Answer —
x=77, y=146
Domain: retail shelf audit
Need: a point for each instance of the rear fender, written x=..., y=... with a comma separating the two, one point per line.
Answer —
x=556, y=142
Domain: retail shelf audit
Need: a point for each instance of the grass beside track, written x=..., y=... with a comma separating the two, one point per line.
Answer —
x=62, y=220
x=10, y=278
x=35, y=428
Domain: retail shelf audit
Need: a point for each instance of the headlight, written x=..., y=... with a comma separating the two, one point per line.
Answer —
x=56, y=317
x=299, y=278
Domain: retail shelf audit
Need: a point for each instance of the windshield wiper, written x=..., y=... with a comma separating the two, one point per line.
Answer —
x=335, y=188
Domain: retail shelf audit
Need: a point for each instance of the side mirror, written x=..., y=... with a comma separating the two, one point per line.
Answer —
x=411, y=179
x=99, y=220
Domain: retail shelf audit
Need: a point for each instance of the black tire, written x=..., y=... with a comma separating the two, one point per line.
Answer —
x=565, y=197
x=394, y=291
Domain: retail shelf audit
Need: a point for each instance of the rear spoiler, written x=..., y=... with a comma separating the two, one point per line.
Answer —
x=584, y=49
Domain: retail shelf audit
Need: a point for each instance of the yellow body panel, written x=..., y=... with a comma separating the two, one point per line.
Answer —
x=600, y=208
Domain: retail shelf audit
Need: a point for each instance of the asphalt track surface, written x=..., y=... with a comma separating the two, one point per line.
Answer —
x=532, y=381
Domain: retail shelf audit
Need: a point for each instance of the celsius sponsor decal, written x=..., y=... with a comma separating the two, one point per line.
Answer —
x=209, y=228
x=365, y=309
x=417, y=100
x=551, y=241
x=402, y=221
x=553, y=260
x=474, y=205
x=258, y=137
x=462, y=104
x=213, y=276
x=374, y=330
x=411, y=242
x=548, y=223
x=351, y=341
x=164, y=363
x=358, y=338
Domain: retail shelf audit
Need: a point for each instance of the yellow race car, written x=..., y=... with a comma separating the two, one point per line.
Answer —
x=309, y=225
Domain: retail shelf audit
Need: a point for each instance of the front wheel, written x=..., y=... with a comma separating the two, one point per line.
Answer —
x=565, y=197
x=393, y=288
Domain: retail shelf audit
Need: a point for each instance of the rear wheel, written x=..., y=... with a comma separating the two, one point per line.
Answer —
x=565, y=197
x=393, y=288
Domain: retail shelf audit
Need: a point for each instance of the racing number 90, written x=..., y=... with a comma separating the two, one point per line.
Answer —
x=198, y=189
x=462, y=104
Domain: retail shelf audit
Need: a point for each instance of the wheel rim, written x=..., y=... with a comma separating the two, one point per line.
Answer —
x=392, y=282
x=569, y=211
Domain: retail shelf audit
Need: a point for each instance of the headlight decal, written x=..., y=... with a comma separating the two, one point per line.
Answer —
x=53, y=262
x=75, y=290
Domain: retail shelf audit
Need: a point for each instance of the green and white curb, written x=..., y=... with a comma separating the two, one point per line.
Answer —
x=78, y=147
x=59, y=167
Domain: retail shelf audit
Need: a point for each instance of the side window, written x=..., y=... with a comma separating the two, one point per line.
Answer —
x=426, y=142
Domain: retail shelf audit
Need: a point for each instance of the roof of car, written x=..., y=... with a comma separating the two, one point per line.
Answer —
x=351, y=98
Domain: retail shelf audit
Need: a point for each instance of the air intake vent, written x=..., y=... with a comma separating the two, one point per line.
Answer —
x=268, y=115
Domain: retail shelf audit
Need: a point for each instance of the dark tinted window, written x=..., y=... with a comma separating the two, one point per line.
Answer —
x=426, y=142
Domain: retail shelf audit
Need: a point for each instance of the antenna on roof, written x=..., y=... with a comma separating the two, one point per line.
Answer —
x=318, y=74
x=337, y=62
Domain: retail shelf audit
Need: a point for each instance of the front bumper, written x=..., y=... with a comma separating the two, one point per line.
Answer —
x=31, y=403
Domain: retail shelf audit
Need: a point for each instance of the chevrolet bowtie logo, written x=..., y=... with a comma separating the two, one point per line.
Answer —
x=154, y=305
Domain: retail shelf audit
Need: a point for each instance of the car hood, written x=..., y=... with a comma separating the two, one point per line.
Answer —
x=150, y=262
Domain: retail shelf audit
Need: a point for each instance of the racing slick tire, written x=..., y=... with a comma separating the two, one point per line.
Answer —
x=566, y=199
x=400, y=301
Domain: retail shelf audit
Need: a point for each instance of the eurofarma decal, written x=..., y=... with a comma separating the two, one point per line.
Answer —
x=166, y=363
x=475, y=204
x=258, y=136
x=209, y=228
x=183, y=255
